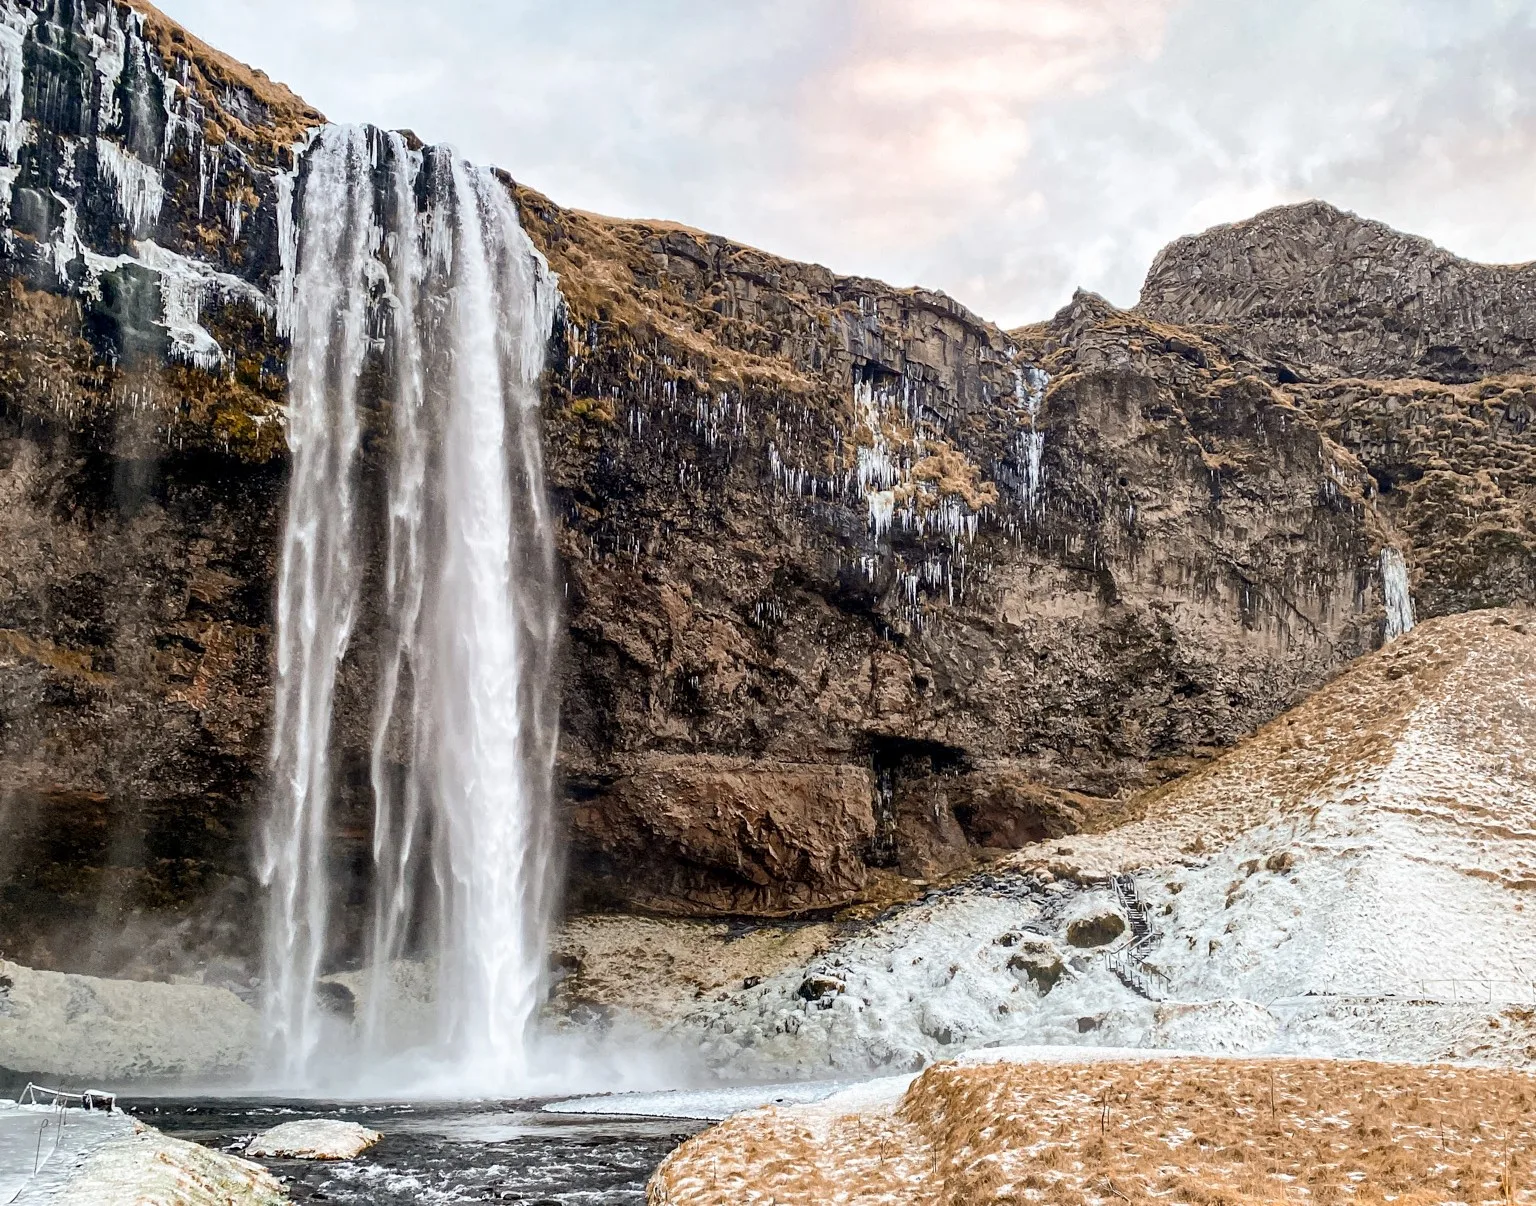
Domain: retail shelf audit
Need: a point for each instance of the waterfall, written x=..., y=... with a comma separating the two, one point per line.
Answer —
x=1395, y=592
x=420, y=309
x=1029, y=385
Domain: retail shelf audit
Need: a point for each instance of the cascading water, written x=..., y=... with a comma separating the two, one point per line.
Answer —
x=412, y=269
x=1395, y=593
x=1029, y=385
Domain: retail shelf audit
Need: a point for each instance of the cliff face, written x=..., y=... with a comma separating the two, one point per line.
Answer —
x=1416, y=361
x=1004, y=663
x=857, y=582
x=141, y=464
x=1329, y=294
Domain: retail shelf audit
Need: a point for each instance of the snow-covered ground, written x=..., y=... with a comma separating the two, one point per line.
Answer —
x=86, y=1029
x=1356, y=879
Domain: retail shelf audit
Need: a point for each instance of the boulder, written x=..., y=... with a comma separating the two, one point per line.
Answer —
x=1039, y=961
x=818, y=985
x=313, y=1139
x=1098, y=929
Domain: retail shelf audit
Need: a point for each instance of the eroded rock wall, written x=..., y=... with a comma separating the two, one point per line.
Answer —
x=858, y=585
x=141, y=468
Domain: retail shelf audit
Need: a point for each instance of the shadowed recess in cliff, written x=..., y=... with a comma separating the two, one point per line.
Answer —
x=415, y=282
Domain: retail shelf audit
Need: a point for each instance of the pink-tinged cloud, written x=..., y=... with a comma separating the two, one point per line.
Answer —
x=926, y=116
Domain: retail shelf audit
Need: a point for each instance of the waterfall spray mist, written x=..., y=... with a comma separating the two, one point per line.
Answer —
x=414, y=263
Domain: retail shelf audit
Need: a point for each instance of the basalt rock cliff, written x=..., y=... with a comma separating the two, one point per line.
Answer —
x=858, y=585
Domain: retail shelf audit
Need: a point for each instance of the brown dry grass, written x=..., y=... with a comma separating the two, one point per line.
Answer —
x=211, y=73
x=1205, y=1132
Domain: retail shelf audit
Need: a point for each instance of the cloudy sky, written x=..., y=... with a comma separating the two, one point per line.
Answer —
x=1002, y=150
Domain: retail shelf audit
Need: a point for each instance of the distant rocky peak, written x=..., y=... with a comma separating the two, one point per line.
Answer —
x=1331, y=294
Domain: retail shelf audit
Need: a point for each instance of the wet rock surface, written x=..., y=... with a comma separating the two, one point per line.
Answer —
x=858, y=586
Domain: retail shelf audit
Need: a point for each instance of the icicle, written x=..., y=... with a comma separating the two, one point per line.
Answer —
x=882, y=509
x=137, y=185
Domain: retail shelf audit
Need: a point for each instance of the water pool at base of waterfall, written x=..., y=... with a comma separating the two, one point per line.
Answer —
x=442, y=1152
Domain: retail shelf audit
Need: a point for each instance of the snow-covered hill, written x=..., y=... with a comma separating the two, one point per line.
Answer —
x=1354, y=879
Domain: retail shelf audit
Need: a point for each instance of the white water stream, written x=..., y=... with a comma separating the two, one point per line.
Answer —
x=1396, y=593
x=415, y=261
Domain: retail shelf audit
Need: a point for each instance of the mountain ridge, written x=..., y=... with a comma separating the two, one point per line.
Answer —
x=877, y=587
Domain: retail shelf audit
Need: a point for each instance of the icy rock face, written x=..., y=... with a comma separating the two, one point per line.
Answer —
x=870, y=584
x=119, y=145
x=980, y=965
x=84, y=1028
x=142, y=433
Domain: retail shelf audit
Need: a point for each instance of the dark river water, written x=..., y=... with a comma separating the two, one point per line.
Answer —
x=443, y=1152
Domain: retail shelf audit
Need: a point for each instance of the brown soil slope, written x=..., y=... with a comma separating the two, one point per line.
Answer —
x=1438, y=728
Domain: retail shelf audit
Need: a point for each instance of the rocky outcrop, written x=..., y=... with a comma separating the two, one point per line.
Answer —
x=858, y=586
x=1327, y=294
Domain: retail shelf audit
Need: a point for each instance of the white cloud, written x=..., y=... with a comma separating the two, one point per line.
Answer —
x=1004, y=150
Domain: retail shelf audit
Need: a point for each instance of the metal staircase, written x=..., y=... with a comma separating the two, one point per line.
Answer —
x=1128, y=962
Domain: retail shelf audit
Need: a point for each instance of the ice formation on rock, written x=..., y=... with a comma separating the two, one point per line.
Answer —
x=139, y=189
x=465, y=721
x=1396, y=593
x=15, y=21
x=1029, y=389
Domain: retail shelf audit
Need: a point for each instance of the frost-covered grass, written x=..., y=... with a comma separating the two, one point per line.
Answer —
x=1197, y=1131
x=151, y=1169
